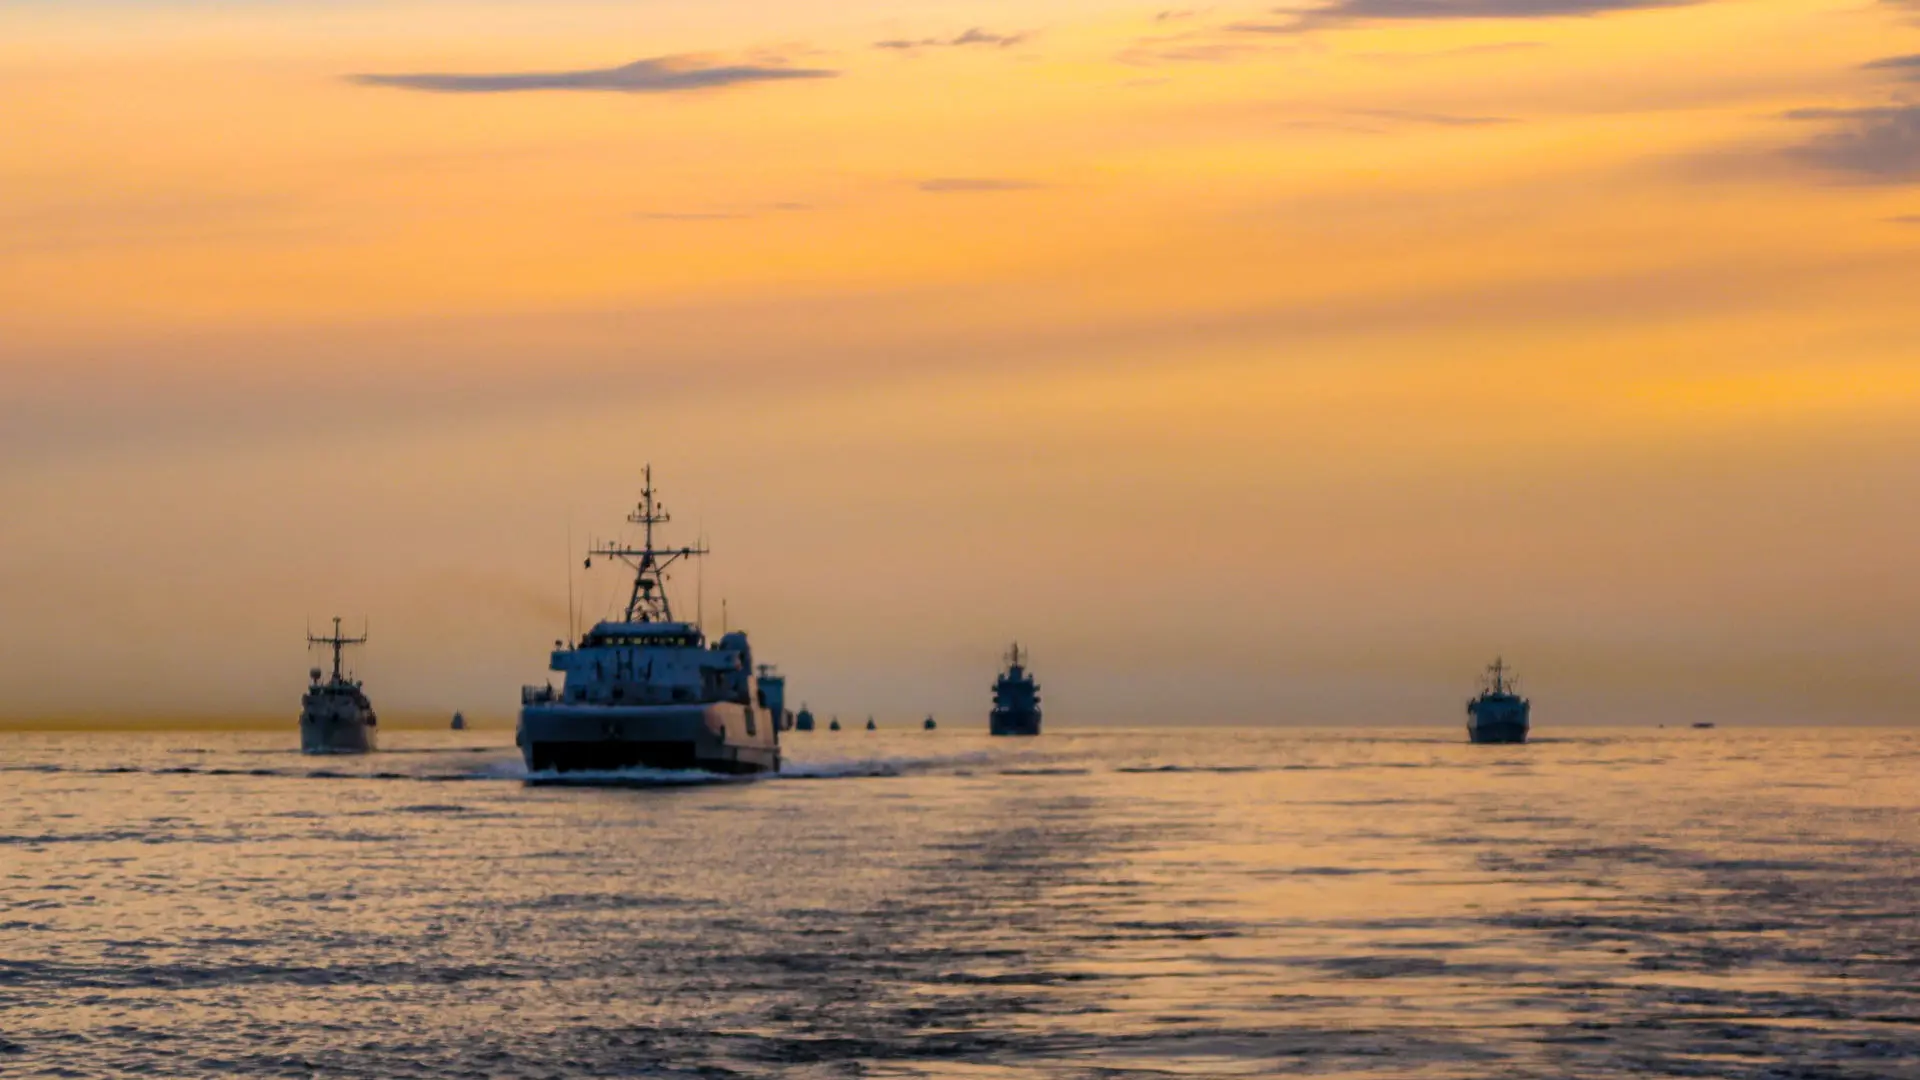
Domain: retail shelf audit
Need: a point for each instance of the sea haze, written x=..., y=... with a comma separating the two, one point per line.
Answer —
x=1601, y=903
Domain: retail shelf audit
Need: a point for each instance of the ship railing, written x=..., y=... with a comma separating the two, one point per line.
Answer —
x=537, y=695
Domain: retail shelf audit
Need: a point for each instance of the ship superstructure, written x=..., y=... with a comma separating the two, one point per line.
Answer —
x=335, y=715
x=1498, y=714
x=1016, y=698
x=647, y=689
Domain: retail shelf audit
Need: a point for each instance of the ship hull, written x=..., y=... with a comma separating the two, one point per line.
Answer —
x=1013, y=723
x=1494, y=721
x=720, y=737
x=1497, y=733
x=337, y=735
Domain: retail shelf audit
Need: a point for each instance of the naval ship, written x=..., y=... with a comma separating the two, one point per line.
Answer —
x=773, y=688
x=335, y=716
x=1016, y=698
x=649, y=690
x=1498, y=715
x=804, y=721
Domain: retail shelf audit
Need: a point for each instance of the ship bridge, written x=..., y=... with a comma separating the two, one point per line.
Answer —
x=655, y=635
x=653, y=663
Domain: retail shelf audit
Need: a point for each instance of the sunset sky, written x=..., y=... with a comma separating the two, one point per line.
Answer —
x=1250, y=364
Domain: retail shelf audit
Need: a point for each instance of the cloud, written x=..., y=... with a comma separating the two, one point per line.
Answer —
x=947, y=184
x=1383, y=121
x=1906, y=66
x=974, y=36
x=655, y=75
x=1421, y=56
x=1412, y=116
x=1341, y=11
x=1878, y=144
x=1488, y=9
x=1191, y=48
x=1905, y=219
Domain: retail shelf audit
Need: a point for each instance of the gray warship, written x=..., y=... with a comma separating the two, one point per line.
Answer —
x=1498, y=714
x=335, y=715
x=649, y=690
x=773, y=688
x=1016, y=698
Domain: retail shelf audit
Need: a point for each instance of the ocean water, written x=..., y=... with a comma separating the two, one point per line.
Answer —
x=1218, y=903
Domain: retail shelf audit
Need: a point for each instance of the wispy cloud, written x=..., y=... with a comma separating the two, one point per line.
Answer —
x=1877, y=144
x=974, y=36
x=1193, y=47
x=1421, y=56
x=655, y=75
x=1414, y=116
x=1905, y=66
x=1488, y=9
x=1344, y=11
x=950, y=184
x=1905, y=219
x=1384, y=121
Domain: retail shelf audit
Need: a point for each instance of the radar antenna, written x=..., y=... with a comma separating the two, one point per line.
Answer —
x=1497, y=676
x=648, y=603
x=338, y=642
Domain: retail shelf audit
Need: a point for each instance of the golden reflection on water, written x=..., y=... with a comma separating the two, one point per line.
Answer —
x=1194, y=902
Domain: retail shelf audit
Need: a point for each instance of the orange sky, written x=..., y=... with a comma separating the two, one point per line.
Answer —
x=1250, y=365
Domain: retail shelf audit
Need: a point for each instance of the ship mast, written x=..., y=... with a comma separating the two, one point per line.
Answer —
x=1499, y=673
x=648, y=602
x=338, y=642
